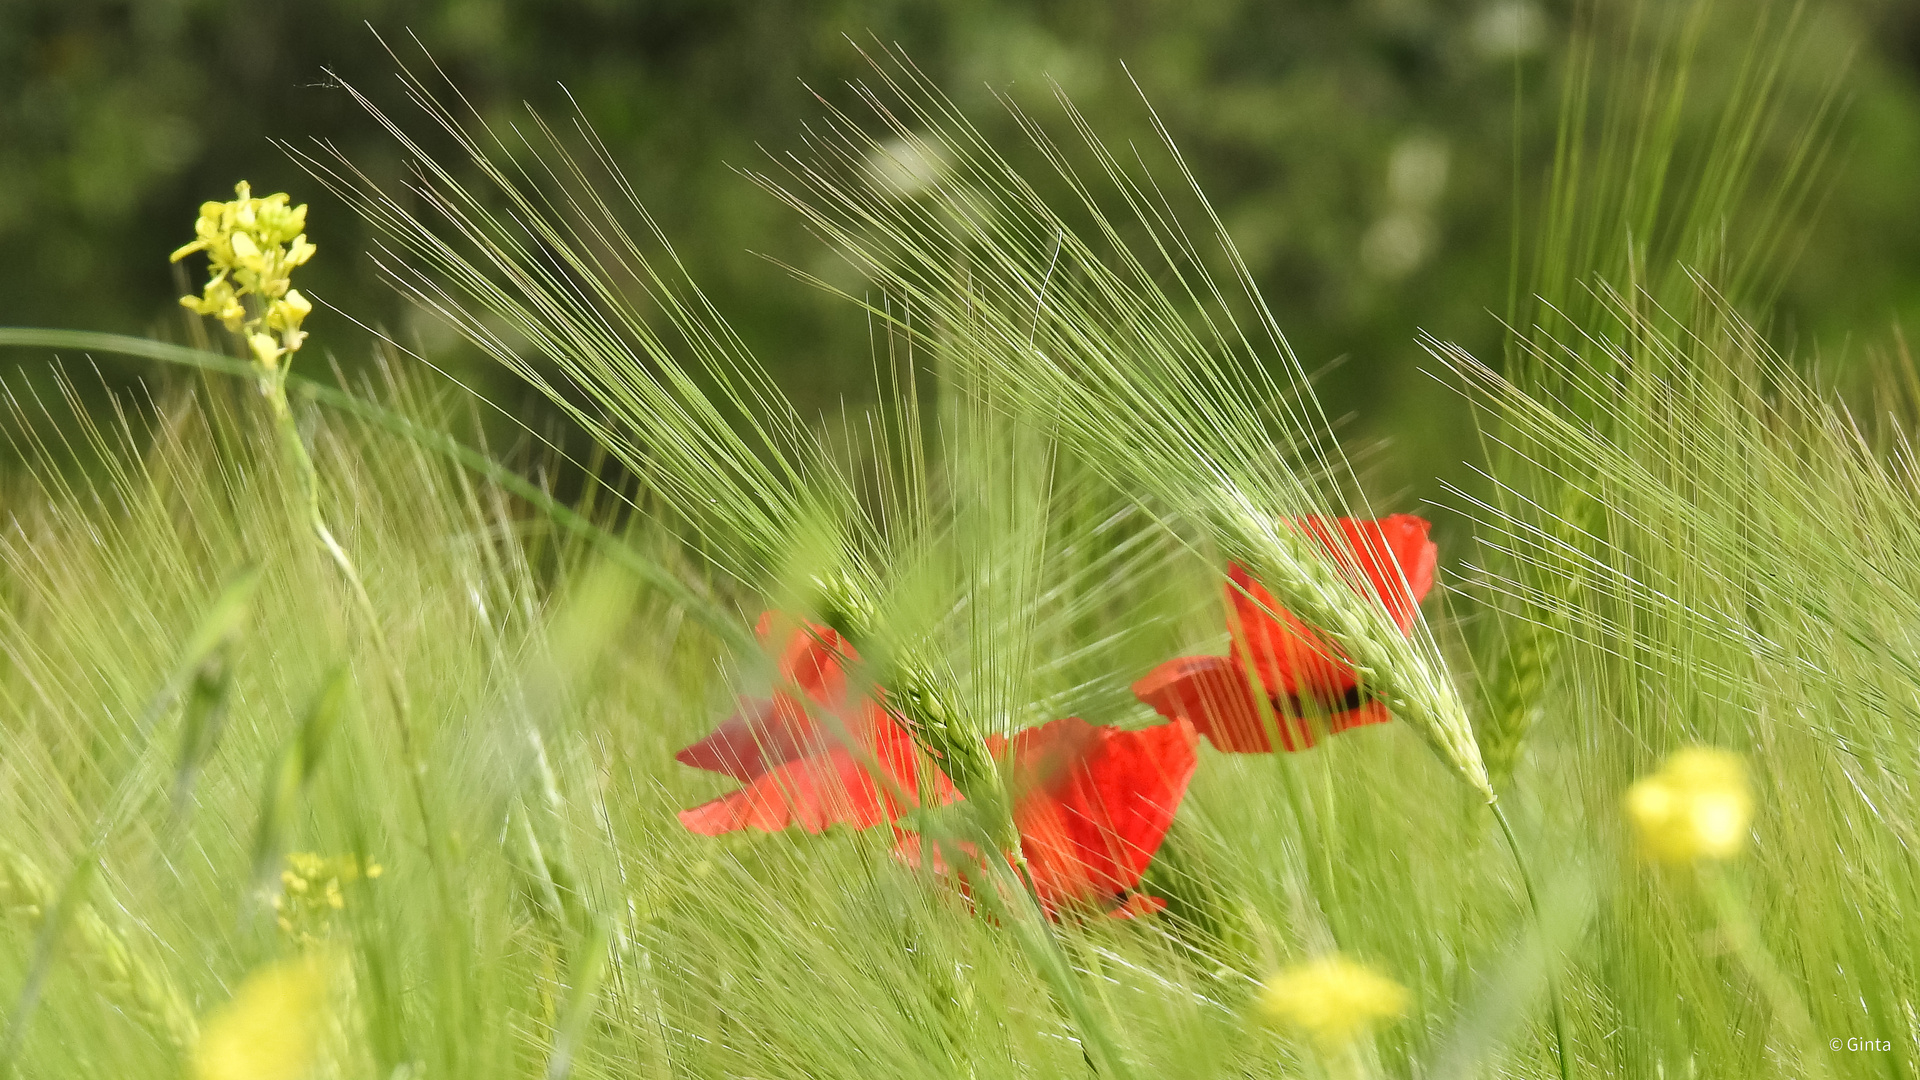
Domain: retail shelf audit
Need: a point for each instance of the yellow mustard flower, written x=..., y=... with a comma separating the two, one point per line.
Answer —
x=266, y=350
x=1331, y=1000
x=253, y=246
x=1698, y=806
x=274, y=1027
x=312, y=888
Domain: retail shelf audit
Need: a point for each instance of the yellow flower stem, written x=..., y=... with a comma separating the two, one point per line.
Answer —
x=1562, y=1050
x=1345, y=1063
x=273, y=387
x=1737, y=924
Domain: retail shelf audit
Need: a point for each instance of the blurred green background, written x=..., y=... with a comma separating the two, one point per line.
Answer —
x=1365, y=155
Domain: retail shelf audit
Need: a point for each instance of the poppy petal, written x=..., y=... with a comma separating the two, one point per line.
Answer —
x=813, y=662
x=830, y=787
x=1290, y=657
x=767, y=733
x=1092, y=805
x=1369, y=712
x=1393, y=554
x=1391, y=557
x=1137, y=905
x=1211, y=693
x=763, y=735
x=1088, y=830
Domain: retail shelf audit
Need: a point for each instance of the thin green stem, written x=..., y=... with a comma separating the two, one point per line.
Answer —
x=1562, y=1050
x=1035, y=932
x=722, y=623
x=1742, y=931
x=439, y=862
x=274, y=390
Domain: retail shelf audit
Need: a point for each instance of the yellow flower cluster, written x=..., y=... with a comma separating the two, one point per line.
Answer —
x=252, y=246
x=312, y=888
x=1698, y=806
x=1331, y=1000
x=275, y=1026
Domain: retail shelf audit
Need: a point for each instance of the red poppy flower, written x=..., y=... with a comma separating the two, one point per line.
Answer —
x=768, y=732
x=831, y=787
x=1091, y=805
x=801, y=771
x=1305, y=676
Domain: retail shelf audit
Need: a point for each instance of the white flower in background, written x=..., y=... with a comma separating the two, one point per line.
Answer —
x=1417, y=171
x=1397, y=244
x=905, y=168
x=1405, y=235
x=1509, y=29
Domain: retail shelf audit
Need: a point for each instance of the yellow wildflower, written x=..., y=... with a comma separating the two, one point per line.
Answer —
x=1331, y=1000
x=266, y=350
x=221, y=302
x=273, y=1028
x=252, y=246
x=1698, y=806
x=287, y=312
x=312, y=888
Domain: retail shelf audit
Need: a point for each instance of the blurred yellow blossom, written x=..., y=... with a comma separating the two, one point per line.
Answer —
x=273, y=1028
x=1698, y=806
x=252, y=247
x=1331, y=1000
x=312, y=888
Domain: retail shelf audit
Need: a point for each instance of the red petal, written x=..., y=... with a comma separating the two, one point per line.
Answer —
x=763, y=735
x=1392, y=553
x=1371, y=712
x=812, y=662
x=1392, y=556
x=1097, y=802
x=1291, y=658
x=766, y=734
x=1211, y=693
x=1091, y=804
x=831, y=787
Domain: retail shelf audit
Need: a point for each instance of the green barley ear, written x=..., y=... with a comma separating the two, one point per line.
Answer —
x=1621, y=217
x=1152, y=361
x=562, y=277
x=111, y=966
x=575, y=277
x=1525, y=652
x=1410, y=679
x=1523, y=637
